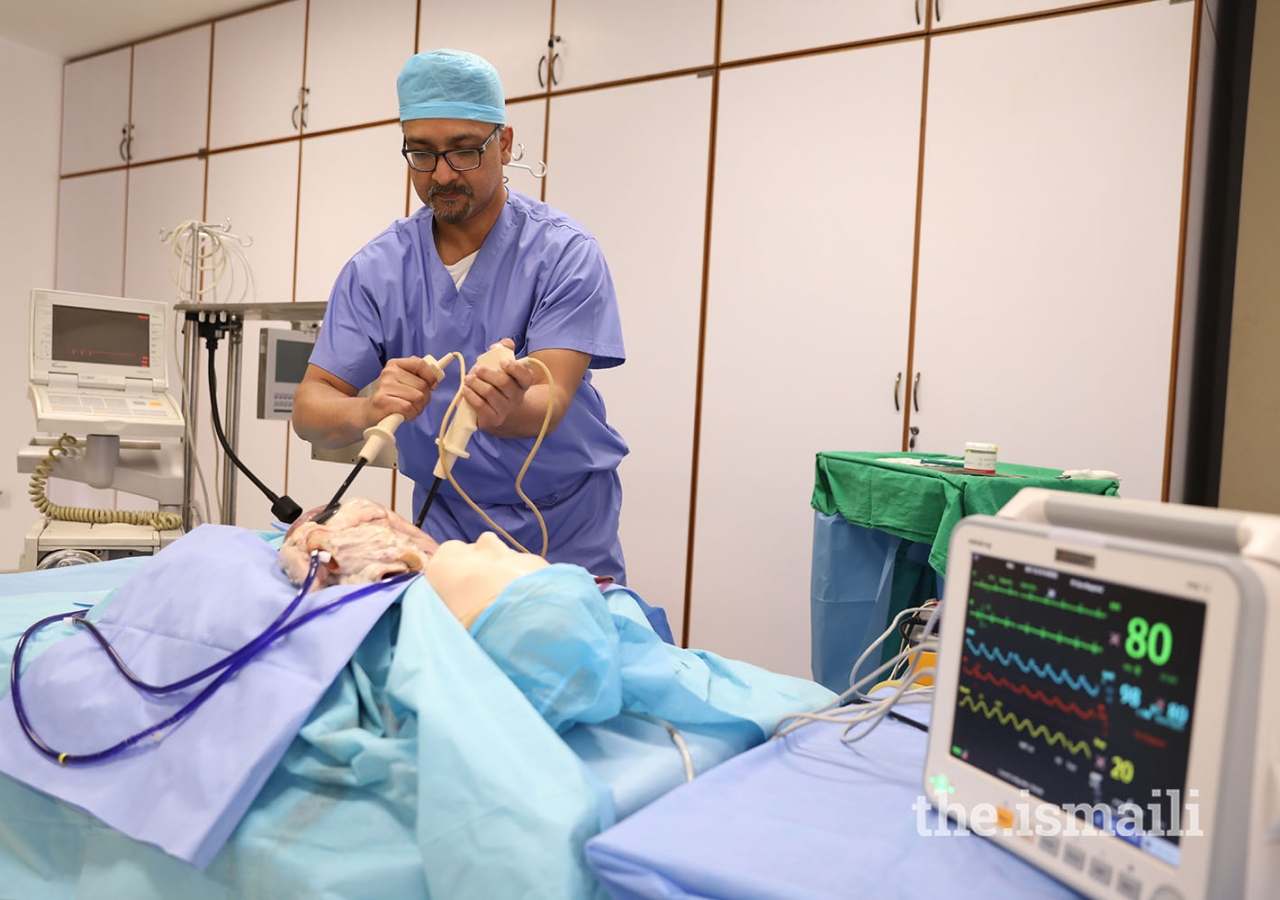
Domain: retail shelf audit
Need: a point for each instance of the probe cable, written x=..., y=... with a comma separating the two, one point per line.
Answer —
x=285, y=508
x=448, y=466
x=229, y=666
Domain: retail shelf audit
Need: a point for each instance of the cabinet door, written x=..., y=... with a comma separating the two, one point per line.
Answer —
x=257, y=75
x=651, y=398
x=601, y=42
x=91, y=233
x=354, y=52
x=1049, y=239
x=353, y=187
x=510, y=34
x=95, y=111
x=761, y=27
x=812, y=237
x=256, y=191
x=962, y=12
x=161, y=197
x=171, y=95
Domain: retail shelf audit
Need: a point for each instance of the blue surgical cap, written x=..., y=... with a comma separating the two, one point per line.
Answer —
x=450, y=84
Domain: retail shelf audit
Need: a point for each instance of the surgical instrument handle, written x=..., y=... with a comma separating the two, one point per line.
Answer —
x=455, y=440
x=376, y=437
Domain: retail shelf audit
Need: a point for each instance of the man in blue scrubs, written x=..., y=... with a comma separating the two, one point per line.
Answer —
x=478, y=264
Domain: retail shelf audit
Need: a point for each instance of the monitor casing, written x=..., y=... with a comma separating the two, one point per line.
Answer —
x=1230, y=563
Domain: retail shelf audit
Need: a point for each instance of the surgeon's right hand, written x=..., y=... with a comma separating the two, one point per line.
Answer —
x=404, y=386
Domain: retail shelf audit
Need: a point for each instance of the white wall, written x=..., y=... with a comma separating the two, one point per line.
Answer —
x=31, y=110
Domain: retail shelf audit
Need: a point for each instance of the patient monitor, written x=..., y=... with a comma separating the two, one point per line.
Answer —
x=99, y=370
x=99, y=366
x=1107, y=694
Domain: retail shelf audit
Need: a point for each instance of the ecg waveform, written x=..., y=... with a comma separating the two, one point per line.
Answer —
x=1099, y=712
x=1021, y=724
x=1056, y=636
x=1076, y=683
x=1078, y=608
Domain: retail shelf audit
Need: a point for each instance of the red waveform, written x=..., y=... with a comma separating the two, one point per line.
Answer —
x=1150, y=739
x=1100, y=712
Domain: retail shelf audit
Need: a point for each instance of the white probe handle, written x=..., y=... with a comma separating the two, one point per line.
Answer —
x=454, y=443
x=376, y=437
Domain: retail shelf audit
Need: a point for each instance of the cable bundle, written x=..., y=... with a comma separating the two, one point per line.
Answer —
x=869, y=711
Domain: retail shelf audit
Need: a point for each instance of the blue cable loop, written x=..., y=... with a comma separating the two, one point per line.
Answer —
x=229, y=665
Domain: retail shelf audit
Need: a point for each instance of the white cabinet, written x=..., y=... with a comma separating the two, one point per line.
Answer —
x=257, y=75
x=654, y=251
x=354, y=184
x=809, y=297
x=91, y=233
x=256, y=190
x=754, y=28
x=161, y=197
x=354, y=52
x=510, y=34
x=599, y=42
x=170, y=112
x=962, y=12
x=1049, y=239
x=95, y=111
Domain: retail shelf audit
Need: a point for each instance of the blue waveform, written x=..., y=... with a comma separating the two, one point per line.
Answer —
x=1046, y=671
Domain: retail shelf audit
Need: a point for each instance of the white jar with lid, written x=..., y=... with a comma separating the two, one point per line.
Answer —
x=980, y=458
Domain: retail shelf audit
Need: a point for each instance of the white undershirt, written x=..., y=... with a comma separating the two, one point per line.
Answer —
x=458, y=271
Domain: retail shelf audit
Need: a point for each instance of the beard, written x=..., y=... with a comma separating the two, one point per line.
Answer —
x=450, y=205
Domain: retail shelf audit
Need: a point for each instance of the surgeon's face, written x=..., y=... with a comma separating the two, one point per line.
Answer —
x=468, y=576
x=456, y=197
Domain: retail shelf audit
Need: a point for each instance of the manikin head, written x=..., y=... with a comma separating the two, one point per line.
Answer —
x=468, y=577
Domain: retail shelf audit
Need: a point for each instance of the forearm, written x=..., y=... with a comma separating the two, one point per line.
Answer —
x=327, y=418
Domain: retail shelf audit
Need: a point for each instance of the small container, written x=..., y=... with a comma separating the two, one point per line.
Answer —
x=980, y=459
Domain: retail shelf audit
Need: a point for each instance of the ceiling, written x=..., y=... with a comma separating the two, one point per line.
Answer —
x=73, y=28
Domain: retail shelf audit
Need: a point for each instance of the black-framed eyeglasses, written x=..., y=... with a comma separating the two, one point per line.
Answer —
x=463, y=159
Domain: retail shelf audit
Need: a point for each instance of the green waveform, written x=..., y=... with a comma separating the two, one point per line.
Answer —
x=1056, y=636
x=1078, y=608
x=1021, y=724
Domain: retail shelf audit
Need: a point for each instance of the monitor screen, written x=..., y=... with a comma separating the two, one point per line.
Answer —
x=103, y=336
x=1081, y=692
x=291, y=359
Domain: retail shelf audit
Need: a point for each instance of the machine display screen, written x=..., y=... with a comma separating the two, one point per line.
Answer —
x=104, y=336
x=1081, y=692
x=291, y=360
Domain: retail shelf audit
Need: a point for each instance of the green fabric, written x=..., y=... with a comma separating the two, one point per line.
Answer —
x=923, y=504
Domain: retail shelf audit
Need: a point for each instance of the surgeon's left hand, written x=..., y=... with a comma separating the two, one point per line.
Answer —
x=495, y=393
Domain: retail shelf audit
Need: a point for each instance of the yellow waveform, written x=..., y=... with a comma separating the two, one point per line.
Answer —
x=1021, y=724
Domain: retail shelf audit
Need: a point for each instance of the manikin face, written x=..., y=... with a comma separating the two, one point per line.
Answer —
x=468, y=576
x=454, y=197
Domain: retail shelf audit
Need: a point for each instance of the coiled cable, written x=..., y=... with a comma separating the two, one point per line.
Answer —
x=160, y=521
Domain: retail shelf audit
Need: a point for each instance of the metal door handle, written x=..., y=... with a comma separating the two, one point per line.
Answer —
x=915, y=393
x=552, y=56
x=897, y=407
x=937, y=10
x=918, y=22
x=542, y=60
x=911, y=441
x=293, y=117
x=306, y=92
x=124, y=139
